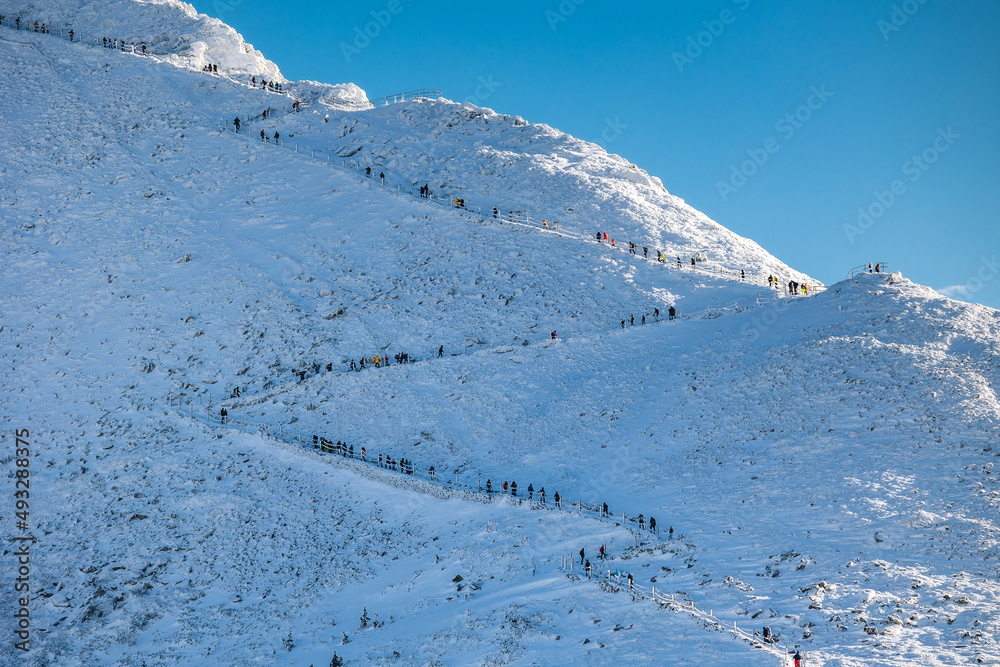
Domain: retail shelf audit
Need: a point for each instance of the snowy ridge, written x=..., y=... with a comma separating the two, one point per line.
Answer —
x=492, y=159
x=828, y=463
x=193, y=40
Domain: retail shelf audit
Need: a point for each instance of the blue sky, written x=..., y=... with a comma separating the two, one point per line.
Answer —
x=831, y=133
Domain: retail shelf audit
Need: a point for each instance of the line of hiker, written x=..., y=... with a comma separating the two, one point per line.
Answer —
x=118, y=44
x=660, y=256
x=39, y=27
x=379, y=360
x=328, y=446
x=671, y=314
x=271, y=86
x=210, y=68
x=794, y=288
x=520, y=494
x=46, y=29
x=522, y=218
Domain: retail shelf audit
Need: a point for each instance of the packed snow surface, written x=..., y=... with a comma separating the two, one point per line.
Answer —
x=827, y=462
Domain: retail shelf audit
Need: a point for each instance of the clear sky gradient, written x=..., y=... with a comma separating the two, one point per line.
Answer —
x=833, y=134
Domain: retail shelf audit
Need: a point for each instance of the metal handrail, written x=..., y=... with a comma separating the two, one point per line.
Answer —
x=883, y=267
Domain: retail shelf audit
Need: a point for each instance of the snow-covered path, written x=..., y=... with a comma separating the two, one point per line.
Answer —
x=827, y=462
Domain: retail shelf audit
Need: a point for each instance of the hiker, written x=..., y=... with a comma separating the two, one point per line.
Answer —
x=236, y=122
x=379, y=460
x=602, y=553
x=869, y=263
x=430, y=471
x=581, y=556
x=262, y=135
x=531, y=491
x=598, y=237
x=382, y=176
x=557, y=500
x=143, y=49
x=496, y=213
x=878, y=268
x=427, y=191
x=489, y=486
x=364, y=453
x=605, y=237
x=630, y=581
x=588, y=568
x=642, y=522
x=441, y=351
x=513, y=488
x=671, y=533
x=672, y=313
x=656, y=314
x=352, y=364
x=631, y=320
x=612, y=242
x=541, y=494
x=623, y=324
x=275, y=137
x=692, y=263
x=505, y=487
x=604, y=510
x=679, y=263
x=743, y=275
x=652, y=525
x=71, y=35
x=643, y=319
x=224, y=415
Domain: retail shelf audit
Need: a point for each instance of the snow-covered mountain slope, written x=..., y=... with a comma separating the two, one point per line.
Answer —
x=490, y=159
x=171, y=28
x=827, y=463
